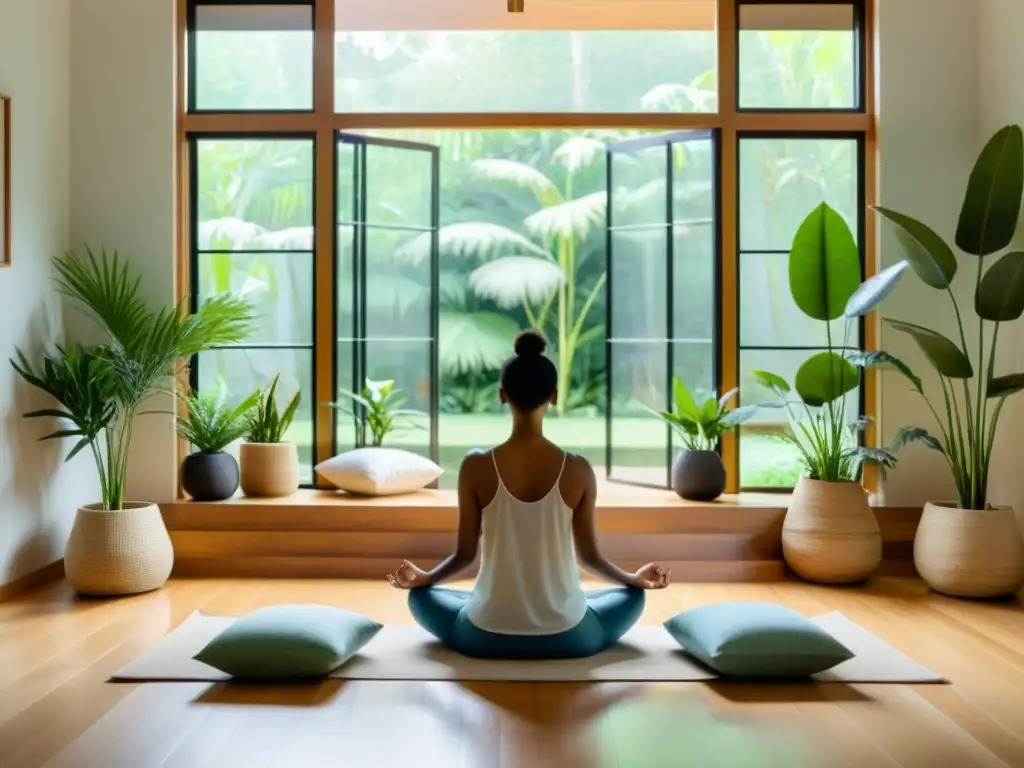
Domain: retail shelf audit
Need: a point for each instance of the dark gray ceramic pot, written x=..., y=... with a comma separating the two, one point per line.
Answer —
x=698, y=475
x=209, y=476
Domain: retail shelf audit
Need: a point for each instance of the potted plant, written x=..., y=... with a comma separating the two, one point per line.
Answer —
x=119, y=547
x=210, y=425
x=830, y=534
x=698, y=473
x=269, y=465
x=970, y=547
x=377, y=409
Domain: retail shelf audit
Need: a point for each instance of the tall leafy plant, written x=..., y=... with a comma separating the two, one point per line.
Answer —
x=972, y=394
x=824, y=278
x=377, y=409
x=100, y=388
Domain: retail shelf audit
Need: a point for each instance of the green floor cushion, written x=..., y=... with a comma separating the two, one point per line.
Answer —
x=289, y=642
x=756, y=640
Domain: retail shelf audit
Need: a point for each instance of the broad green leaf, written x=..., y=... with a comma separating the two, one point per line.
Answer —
x=881, y=359
x=991, y=209
x=520, y=174
x=739, y=415
x=906, y=435
x=474, y=341
x=512, y=281
x=930, y=257
x=771, y=381
x=573, y=218
x=824, y=265
x=947, y=358
x=684, y=402
x=873, y=291
x=824, y=378
x=1000, y=294
x=1004, y=386
x=724, y=399
x=709, y=412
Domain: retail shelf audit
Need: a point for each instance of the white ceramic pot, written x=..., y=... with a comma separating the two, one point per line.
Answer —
x=969, y=552
x=118, y=552
x=830, y=534
x=269, y=469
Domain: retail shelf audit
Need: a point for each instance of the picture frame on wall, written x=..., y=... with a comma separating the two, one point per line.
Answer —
x=5, y=181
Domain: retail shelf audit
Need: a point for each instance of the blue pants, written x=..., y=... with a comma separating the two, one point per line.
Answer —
x=610, y=613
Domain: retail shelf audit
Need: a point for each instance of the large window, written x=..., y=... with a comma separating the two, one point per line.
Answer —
x=401, y=187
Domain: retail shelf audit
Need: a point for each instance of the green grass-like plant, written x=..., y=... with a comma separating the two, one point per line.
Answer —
x=264, y=424
x=378, y=409
x=824, y=280
x=210, y=424
x=972, y=394
x=100, y=388
x=700, y=426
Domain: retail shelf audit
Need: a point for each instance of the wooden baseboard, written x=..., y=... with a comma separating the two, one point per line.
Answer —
x=34, y=580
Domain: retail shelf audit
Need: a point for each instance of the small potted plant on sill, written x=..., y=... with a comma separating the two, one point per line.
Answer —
x=379, y=410
x=970, y=547
x=119, y=547
x=210, y=425
x=269, y=465
x=830, y=534
x=698, y=473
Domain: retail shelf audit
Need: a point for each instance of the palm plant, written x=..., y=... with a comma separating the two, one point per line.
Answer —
x=264, y=423
x=101, y=388
x=377, y=408
x=210, y=424
x=541, y=272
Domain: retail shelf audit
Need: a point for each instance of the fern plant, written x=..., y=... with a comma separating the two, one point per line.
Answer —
x=100, y=388
x=377, y=409
x=264, y=424
x=211, y=424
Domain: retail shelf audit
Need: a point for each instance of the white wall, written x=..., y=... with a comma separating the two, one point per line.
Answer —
x=928, y=140
x=123, y=174
x=1000, y=31
x=38, y=492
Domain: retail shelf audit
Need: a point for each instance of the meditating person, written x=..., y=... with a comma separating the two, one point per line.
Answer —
x=534, y=505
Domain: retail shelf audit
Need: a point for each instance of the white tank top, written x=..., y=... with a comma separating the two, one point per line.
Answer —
x=529, y=583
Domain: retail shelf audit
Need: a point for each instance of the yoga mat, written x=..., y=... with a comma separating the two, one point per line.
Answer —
x=646, y=653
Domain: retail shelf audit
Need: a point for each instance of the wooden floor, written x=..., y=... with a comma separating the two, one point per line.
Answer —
x=56, y=710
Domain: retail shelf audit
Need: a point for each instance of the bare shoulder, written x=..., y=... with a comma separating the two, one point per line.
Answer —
x=577, y=478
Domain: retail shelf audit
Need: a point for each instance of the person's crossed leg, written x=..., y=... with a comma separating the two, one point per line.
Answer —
x=610, y=614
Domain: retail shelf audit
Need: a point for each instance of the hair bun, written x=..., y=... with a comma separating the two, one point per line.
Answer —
x=530, y=343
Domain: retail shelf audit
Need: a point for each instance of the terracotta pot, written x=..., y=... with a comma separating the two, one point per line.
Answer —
x=118, y=552
x=969, y=552
x=830, y=534
x=698, y=475
x=269, y=469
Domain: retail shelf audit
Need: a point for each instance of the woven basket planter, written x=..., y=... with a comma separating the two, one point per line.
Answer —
x=969, y=552
x=830, y=534
x=118, y=552
x=269, y=469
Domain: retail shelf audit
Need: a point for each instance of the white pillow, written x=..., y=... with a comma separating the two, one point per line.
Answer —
x=379, y=471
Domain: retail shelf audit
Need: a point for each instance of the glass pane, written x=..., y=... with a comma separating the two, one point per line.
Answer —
x=407, y=363
x=638, y=188
x=639, y=442
x=399, y=186
x=770, y=318
x=766, y=461
x=400, y=70
x=243, y=371
x=254, y=57
x=783, y=180
x=397, y=288
x=255, y=194
x=694, y=363
x=693, y=173
x=637, y=284
x=280, y=286
x=797, y=56
x=693, y=295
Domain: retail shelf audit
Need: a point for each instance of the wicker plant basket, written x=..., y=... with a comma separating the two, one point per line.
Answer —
x=118, y=552
x=830, y=534
x=969, y=552
x=269, y=469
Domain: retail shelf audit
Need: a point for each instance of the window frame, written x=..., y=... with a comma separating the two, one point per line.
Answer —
x=729, y=121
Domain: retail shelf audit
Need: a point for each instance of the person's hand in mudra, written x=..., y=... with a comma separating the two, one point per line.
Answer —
x=408, y=576
x=652, y=576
